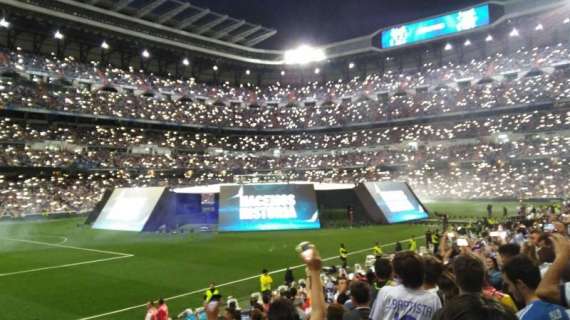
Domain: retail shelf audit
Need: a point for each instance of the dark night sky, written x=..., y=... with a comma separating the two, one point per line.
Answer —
x=324, y=21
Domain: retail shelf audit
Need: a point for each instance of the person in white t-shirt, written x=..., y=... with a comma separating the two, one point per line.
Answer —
x=407, y=300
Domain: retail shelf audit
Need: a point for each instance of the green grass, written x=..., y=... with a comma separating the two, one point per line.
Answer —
x=162, y=265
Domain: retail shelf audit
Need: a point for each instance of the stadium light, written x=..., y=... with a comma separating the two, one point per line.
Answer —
x=304, y=54
x=146, y=54
x=4, y=23
x=566, y=21
x=351, y=65
x=317, y=70
x=186, y=62
x=215, y=68
x=282, y=73
x=58, y=35
x=448, y=47
x=467, y=43
x=247, y=72
x=539, y=27
x=489, y=38
x=514, y=33
x=105, y=45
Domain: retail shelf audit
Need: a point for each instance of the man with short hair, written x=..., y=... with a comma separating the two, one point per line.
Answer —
x=508, y=251
x=470, y=304
x=406, y=300
x=522, y=277
x=360, y=298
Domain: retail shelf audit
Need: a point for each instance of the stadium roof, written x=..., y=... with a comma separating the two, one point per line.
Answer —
x=183, y=15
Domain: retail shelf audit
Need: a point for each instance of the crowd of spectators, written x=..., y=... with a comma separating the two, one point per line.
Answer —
x=516, y=154
x=477, y=85
x=513, y=269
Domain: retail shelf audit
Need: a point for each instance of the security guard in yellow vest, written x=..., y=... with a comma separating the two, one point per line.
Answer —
x=265, y=281
x=210, y=292
x=413, y=246
x=377, y=250
x=343, y=254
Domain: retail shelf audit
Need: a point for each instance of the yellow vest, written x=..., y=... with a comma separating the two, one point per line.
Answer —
x=377, y=250
x=209, y=294
x=343, y=252
x=265, y=282
x=413, y=245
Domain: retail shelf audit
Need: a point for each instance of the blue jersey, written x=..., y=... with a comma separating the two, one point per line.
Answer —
x=540, y=310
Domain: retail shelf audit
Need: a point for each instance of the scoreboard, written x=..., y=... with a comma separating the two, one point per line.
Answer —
x=433, y=28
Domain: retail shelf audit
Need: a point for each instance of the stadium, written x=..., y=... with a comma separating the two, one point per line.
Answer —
x=161, y=160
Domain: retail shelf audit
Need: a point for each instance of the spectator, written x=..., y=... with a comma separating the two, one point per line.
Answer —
x=360, y=298
x=406, y=300
x=494, y=273
x=433, y=268
x=470, y=304
x=162, y=312
x=151, y=311
x=522, y=278
x=508, y=251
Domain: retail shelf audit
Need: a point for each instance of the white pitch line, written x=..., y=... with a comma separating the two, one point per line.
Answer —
x=67, y=247
x=64, y=266
x=227, y=284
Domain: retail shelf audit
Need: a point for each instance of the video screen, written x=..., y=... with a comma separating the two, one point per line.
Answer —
x=268, y=207
x=459, y=21
x=128, y=209
x=396, y=201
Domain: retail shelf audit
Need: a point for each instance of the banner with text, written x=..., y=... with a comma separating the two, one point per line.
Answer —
x=268, y=207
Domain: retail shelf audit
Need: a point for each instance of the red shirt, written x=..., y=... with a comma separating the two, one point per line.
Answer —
x=162, y=313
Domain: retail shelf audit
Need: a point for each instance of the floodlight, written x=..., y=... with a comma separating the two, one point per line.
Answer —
x=146, y=54
x=105, y=45
x=467, y=43
x=4, y=23
x=539, y=27
x=317, y=70
x=282, y=73
x=247, y=72
x=514, y=33
x=448, y=47
x=351, y=65
x=489, y=38
x=58, y=35
x=186, y=62
x=215, y=68
x=304, y=54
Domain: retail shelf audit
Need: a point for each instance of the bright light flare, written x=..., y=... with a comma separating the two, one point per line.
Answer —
x=304, y=54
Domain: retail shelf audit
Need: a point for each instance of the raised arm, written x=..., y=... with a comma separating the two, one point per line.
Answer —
x=549, y=287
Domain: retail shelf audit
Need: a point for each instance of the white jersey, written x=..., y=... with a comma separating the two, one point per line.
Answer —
x=399, y=302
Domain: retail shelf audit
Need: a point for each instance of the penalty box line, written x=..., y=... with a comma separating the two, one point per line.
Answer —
x=186, y=294
x=117, y=256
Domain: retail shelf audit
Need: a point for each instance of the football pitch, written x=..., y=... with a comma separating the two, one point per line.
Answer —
x=61, y=269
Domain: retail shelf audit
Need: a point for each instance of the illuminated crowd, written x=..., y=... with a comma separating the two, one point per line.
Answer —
x=521, y=151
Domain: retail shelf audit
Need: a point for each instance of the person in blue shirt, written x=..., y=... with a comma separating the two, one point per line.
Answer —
x=522, y=277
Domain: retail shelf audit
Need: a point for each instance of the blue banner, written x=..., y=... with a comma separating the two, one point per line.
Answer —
x=436, y=27
x=268, y=207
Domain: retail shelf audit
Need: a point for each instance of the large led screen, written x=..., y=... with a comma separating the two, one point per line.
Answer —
x=436, y=27
x=396, y=201
x=268, y=207
x=128, y=209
